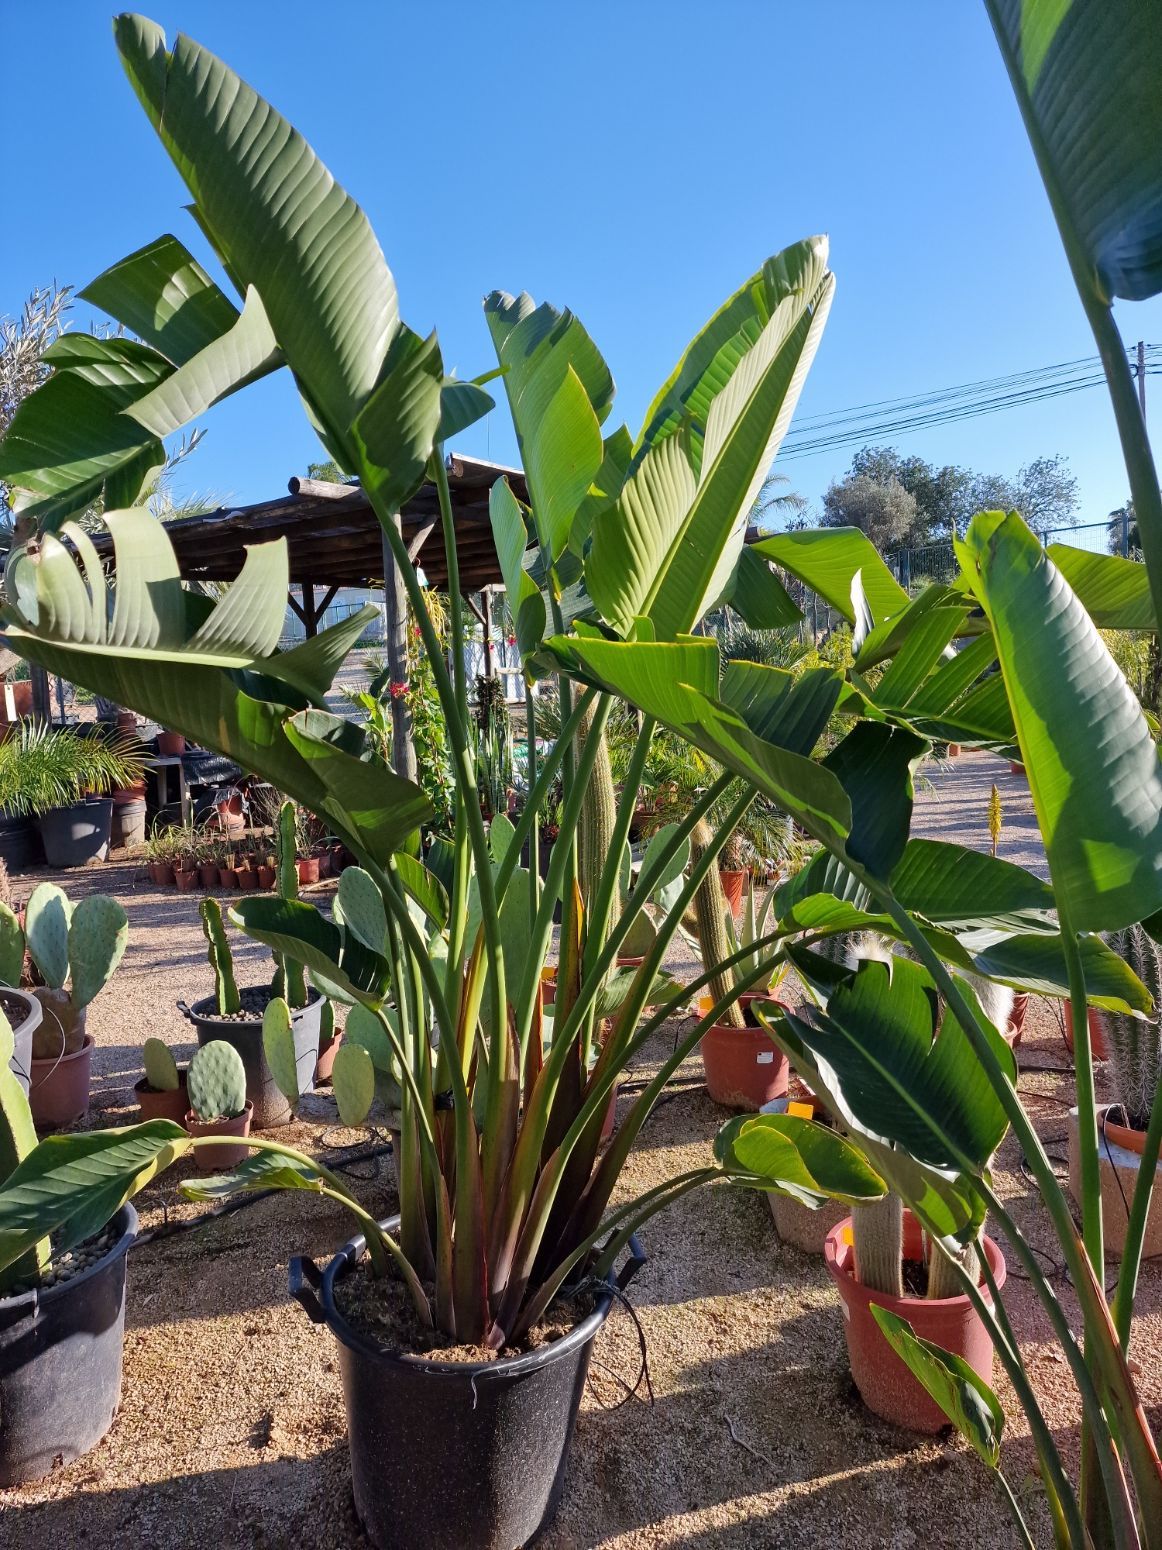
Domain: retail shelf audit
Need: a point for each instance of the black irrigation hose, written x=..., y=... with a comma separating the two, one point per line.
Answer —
x=340, y=1164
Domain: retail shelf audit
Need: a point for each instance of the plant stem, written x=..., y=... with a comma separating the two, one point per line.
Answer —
x=1123, y=1310
x=1091, y=1215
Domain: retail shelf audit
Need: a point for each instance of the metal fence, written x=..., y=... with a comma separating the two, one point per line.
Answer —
x=937, y=562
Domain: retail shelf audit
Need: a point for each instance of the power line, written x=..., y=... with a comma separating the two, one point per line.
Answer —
x=941, y=406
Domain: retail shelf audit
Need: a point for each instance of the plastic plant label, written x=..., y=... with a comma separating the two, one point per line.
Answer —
x=765, y=1057
x=848, y=1238
x=801, y=1110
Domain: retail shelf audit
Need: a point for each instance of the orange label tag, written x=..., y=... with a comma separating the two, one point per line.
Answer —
x=848, y=1238
x=801, y=1110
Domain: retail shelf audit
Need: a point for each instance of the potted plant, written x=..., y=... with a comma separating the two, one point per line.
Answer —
x=73, y=951
x=733, y=871
x=161, y=1092
x=208, y=874
x=216, y=1084
x=159, y=858
x=170, y=745
x=1134, y=1046
x=62, y=779
x=22, y=1010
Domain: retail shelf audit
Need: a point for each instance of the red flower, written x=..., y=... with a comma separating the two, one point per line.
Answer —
x=398, y=689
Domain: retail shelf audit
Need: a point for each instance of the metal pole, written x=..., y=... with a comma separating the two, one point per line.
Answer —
x=1125, y=533
x=1142, y=377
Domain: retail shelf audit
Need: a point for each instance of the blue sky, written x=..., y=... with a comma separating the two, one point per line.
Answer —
x=633, y=161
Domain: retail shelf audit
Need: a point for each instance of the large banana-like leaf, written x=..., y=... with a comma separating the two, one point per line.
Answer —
x=956, y=1386
x=276, y=216
x=164, y=296
x=797, y=1157
x=298, y=930
x=397, y=428
x=1115, y=591
x=509, y=535
x=1093, y=768
x=669, y=546
x=830, y=560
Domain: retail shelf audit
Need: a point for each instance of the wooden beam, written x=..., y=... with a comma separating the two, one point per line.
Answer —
x=325, y=489
x=395, y=607
x=296, y=607
x=472, y=609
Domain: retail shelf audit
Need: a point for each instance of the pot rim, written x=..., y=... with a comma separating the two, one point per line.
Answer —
x=206, y=1126
x=195, y=1015
x=142, y=1085
x=346, y=1258
x=87, y=1043
x=36, y=1296
x=72, y=807
x=1111, y=1131
x=34, y=1005
x=849, y=1287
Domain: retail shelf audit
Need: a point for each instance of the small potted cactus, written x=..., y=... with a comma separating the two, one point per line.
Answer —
x=161, y=1092
x=216, y=1083
x=1134, y=1049
x=73, y=953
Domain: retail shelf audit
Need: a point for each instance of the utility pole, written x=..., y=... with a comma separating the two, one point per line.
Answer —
x=1142, y=376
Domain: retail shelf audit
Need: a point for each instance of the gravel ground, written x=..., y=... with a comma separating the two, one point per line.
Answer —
x=231, y=1430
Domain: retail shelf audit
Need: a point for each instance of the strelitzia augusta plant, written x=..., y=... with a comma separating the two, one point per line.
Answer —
x=627, y=542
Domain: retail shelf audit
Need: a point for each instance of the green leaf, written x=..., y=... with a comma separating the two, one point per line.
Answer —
x=1114, y=591
x=261, y=1170
x=71, y=1185
x=874, y=764
x=665, y=887
x=364, y=1028
x=97, y=938
x=966, y=889
x=561, y=460
x=788, y=710
x=797, y=1157
x=164, y=296
x=1037, y=964
x=278, y=1046
x=1092, y=765
x=362, y=906
x=525, y=603
x=424, y=887
x=759, y=596
x=277, y=217
x=298, y=930
x=917, y=656
x=397, y=429
x=461, y=405
x=959, y=1390
x=828, y=560
x=246, y=352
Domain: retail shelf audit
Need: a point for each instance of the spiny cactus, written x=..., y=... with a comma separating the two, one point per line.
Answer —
x=943, y=1280
x=5, y=886
x=75, y=950
x=1135, y=1043
x=216, y=1082
x=278, y=1044
x=290, y=980
x=878, y=1233
x=710, y=911
x=161, y=1071
x=596, y=825
x=221, y=959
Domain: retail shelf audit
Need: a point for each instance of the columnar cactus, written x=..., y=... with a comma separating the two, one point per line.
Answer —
x=161, y=1071
x=1135, y=1043
x=878, y=1234
x=221, y=959
x=216, y=1082
x=710, y=912
x=290, y=980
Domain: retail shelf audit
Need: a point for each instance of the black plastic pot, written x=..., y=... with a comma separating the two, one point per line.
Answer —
x=60, y=1364
x=464, y=1454
x=271, y=1108
x=20, y=846
x=75, y=835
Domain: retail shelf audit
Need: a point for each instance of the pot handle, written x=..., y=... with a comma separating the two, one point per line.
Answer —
x=184, y=1010
x=304, y=1279
x=637, y=1258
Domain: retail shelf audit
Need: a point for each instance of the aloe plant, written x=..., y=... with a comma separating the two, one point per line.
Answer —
x=507, y=1192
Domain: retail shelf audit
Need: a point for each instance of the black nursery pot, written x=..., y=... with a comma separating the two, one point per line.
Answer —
x=464, y=1454
x=271, y=1107
x=60, y=1363
x=76, y=834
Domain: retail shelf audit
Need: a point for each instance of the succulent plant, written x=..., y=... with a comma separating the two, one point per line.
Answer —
x=290, y=980
x=161, y=1071
x=216, y=1082
x=278, y=1045
x=221, y=959
x=1135, y=1043
x=5, y=886
x=75, y=951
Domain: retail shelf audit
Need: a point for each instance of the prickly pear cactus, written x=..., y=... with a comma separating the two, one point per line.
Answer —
x=220, y=957
x=1135, y=1043
x=216, y=1082
x=46, y=930
x=161, y=1071
x=98, y=933
x=710, y=909
x=5, y=886
x=17, y=1139
x=878, y=1235
x=353, y=1082
x=11, y=947
x=278, y=1045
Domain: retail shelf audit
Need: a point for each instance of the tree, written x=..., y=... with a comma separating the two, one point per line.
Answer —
x=328, y=470
x=942, y=495
x=773, y=501
x=1124, y=536
x=23, y=341
x=885, y=512
x=1044, y=492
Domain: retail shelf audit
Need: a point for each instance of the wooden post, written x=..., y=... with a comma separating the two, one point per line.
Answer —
x=486, y=629
x=41, y=694
x=310, y=617
x=395, y=609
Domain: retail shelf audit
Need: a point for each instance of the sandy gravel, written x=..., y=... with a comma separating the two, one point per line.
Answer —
x=231, y=1432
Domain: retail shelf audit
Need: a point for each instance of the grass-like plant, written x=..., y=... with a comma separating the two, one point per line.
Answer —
x=42, y=767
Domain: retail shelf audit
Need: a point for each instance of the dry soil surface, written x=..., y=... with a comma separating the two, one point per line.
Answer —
x=231, y=1430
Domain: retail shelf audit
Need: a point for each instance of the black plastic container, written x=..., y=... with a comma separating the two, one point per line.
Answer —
x=20, y=846
x=77, y=834
x=464, y=1454
x=271, y=1107
x=60, y=1364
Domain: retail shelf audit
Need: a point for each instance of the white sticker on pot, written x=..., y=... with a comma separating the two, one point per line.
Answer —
x=765, y=1057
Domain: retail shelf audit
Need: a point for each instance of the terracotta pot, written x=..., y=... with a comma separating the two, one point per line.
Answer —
x=208, y=874
x=954, y=750
x=21, y=699
x=1120, y=1135
x=123, y=795
x=548, y=986
x=1018, y=1015
x=127, y=721
x=733, y=886
x=173, y=1104
x=1097, y=1041
x=161, y=873
x=267, y=876
x=323, y=856
x=326, y=1061
x=1119, y=1161
x=58, y=1092
x=744, y=1067
x=220, y=1159
x=247, y=878
x=187, y=878
x=308, y=869
x=885, y=1384
x=1015, y=767
x=170, y=744
x=626, y=961
x=227, y=877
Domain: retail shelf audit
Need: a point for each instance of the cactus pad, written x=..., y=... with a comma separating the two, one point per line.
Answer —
x=221, y=960
x=98, y=933
x=11, y=947
x=353, y=1082
x=216, y=1082
x=46, y=930
x=278, y=1044
x=161, y=1071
